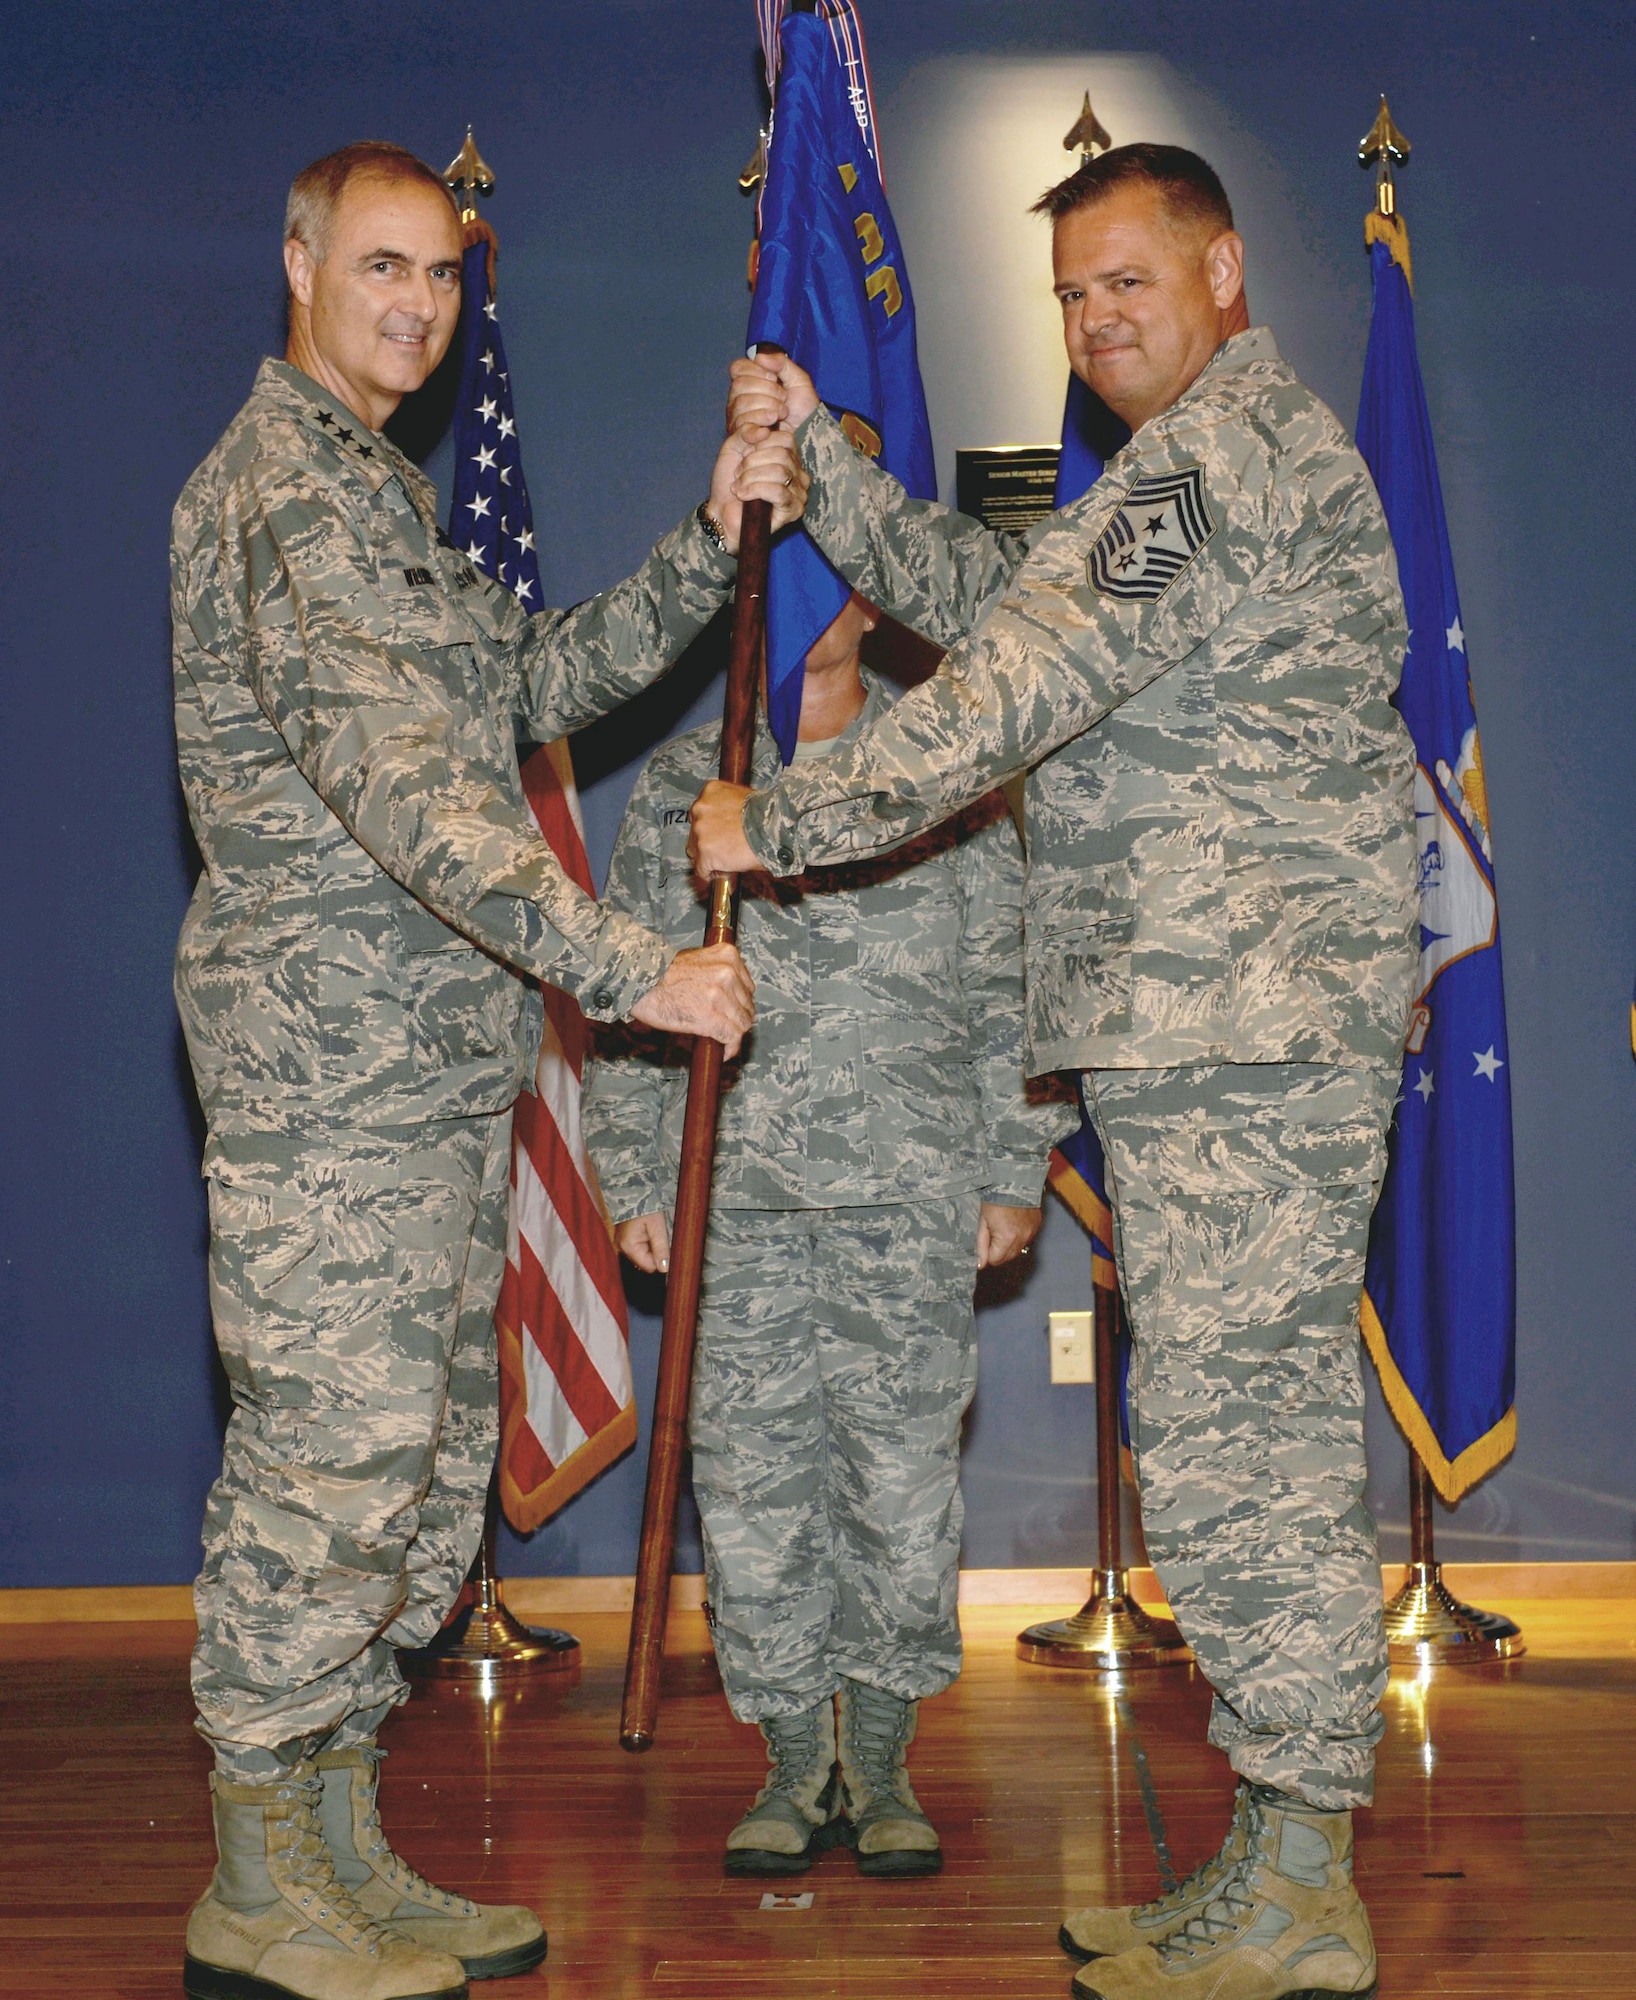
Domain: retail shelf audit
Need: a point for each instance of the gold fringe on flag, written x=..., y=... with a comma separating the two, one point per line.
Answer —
x=1452, y=1477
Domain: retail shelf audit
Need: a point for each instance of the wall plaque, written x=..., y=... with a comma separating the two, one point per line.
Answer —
x=1006, y=487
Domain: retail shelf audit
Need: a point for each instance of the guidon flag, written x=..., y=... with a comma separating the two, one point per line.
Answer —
x=831, y=290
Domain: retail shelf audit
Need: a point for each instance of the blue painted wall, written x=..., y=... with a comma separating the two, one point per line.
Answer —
x=146, y=153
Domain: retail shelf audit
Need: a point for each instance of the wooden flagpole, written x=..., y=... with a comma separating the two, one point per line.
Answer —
x=656, y=1554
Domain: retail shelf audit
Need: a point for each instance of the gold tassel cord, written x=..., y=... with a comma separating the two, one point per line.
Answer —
x=1393, y=231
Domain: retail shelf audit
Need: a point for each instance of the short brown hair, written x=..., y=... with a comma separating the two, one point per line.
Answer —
x=309, y=214
x=1191, y=190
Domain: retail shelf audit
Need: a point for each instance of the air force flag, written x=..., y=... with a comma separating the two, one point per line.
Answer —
x=1439, y=1305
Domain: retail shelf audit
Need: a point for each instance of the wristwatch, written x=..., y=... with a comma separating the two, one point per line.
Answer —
x=711, y=526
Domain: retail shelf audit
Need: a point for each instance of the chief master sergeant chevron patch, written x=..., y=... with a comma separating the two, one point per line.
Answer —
x=1162, y=523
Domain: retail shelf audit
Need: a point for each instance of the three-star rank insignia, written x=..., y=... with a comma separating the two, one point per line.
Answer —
x=1162, y=523
x=345, y=436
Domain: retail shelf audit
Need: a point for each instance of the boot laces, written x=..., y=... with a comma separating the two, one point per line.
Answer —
x=877, y=1740
x=795, y=1745
x=309, y=1871
x=1190, y=1885
x=1220, y=1918
x=408, y=1881
x=1230, y=1908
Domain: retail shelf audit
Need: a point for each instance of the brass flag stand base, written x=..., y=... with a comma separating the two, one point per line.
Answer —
x=1425, y=1623
x=1111, y=1632
x=484, y=1645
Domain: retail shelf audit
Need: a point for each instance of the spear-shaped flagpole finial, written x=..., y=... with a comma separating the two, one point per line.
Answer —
x=1088, y=133
x=468, y=175
x=1383, y=146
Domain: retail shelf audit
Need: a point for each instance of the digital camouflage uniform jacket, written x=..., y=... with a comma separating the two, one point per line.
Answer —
x=886, y=1064
x=1222, y=861
x=348, y=692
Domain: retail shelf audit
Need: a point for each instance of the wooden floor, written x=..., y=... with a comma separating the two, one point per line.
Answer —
x=1501, y=1858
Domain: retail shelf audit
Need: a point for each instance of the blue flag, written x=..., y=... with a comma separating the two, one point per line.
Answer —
x=1086, y=446
x=1439, y=1306
x=832, y=290
x=489, y=514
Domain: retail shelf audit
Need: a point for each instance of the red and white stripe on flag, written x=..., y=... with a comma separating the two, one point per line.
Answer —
x=567, y=1404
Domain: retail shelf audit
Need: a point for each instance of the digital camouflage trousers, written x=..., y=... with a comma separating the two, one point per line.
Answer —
x=837, y=1354
x=353, y=1277
x=1242, y=1195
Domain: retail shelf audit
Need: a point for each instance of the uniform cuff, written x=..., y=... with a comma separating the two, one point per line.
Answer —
x=1019, y=1188
x=770, y=828
x=694, y=557
x=630, y=962
x=625, y=1204
x=825, y=450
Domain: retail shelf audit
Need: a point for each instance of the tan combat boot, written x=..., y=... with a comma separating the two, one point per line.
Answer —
x=491, y=1940
x=889, y=1832
x=275, y=1924
x=1101, y=1933
x=1285, y=1924
x=796, y=1814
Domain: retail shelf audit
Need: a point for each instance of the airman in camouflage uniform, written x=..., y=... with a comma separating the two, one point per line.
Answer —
x=348, y=693
x=1194, y=662
x=878, y=1104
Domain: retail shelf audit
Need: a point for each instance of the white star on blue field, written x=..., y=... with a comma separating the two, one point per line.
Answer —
x=490, y=517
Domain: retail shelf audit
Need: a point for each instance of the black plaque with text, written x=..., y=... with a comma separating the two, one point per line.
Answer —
x=1007, y=487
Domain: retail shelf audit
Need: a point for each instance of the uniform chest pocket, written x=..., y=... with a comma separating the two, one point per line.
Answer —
x=909, y=930
x=462, y=672
x=420, y=609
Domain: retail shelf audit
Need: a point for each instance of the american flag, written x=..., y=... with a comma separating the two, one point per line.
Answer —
x=567, y=1404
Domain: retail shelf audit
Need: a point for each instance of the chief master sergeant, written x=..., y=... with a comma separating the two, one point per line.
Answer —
x=350, y=979
x=1196, y=659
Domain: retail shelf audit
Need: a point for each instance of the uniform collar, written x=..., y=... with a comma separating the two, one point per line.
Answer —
x=1236, y=353
x=372, y=457
x=876, y=701
x=1238, y=350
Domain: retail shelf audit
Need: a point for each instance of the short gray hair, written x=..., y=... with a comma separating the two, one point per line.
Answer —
x=309, y=214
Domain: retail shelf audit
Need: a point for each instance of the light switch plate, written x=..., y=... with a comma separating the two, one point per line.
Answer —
x=1072, y=1350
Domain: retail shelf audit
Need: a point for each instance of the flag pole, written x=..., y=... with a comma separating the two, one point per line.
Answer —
x=656, y=1552
x=484, y=1643
x=1425, y=1622
x=1111, y=1632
